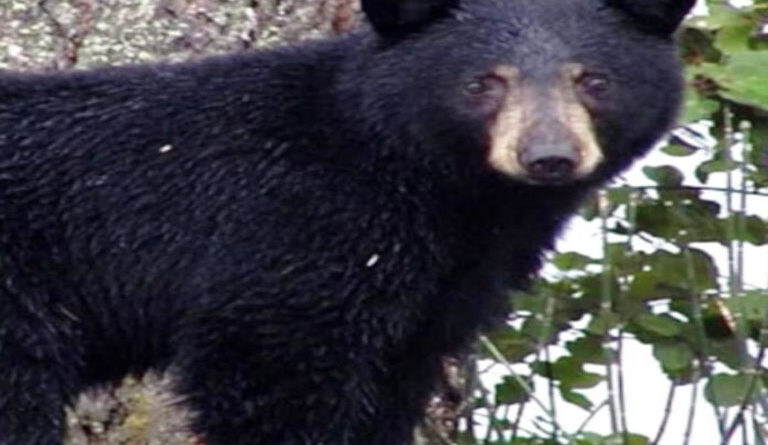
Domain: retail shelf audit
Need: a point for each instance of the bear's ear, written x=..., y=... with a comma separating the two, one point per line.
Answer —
x=390, y=17
x=659, y=16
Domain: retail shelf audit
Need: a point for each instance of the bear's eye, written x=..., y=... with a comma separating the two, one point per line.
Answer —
x=594, y=84
x=475, y=87
x=484, y=85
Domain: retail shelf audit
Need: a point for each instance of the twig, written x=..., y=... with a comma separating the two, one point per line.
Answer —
x=518, y=419
x=692, y=410
x=744, y=128
x=605, y=303
x=701, y=335
x=622, y=400
x=632, y=222
x=667, y=413
x=688, y=188
x=497, y=355
x=733, y=273
x=752, y=382
x=551, y=392
x=589, y=417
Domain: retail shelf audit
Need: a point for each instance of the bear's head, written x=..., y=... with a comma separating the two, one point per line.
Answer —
x=545, y=92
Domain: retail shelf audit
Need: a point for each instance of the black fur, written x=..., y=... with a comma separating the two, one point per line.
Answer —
x=300, y=233
x=396, y=16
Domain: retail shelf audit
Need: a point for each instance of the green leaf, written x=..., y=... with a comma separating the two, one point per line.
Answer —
x=587, y=438
x=680, y=216
x=576, y=398
x=590, y=349
x=602, y=323
x=732, y=389
x=513, y=344
x=758, y=136
x=742, y=78
x=673, y=356
x=751, y=306
x=620, y=262
x=697, y=46
x=534, y=301
x=535, y=328
x=734, y=27
x=662, y=325
x=748, y=312
x=619, y=195
x=759, y=178
x=732, y=352
x=755, y=229
x=667, y=275
x=734, y=38
x=722, y=14
x=510, y=391
x=681, y=150
x=696, y=107
x=631, y=439
x=569, y=371
x=716, y=165
x=664, y=175
x=572, y=261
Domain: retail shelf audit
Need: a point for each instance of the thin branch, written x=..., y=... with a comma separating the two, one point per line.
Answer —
x=493, y=408
x=632, y=221
x=692, y=409
x=701, y=335
x=730, y=229
x=667, y=413
x=499, y=357
x=622, y=400
x=606, y=304
x=744, y=129
x=756, y=374
x=518, y=419
x=688, y=188
x=551, y=392
x=591, y=415
x=745, y=431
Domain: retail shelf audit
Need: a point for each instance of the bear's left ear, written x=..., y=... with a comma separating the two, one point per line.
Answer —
x=390, y=17
x=659, y=16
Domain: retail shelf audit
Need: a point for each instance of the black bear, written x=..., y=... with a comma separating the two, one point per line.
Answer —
x=301, y=234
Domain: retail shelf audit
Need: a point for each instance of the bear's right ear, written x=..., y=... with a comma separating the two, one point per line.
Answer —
x=659, y=16
x=390, y=17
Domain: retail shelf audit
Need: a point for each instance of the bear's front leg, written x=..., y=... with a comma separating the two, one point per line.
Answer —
x=268, y=376
x=37, y=378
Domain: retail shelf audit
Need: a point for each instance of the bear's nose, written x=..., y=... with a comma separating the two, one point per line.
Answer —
x=553, y=164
